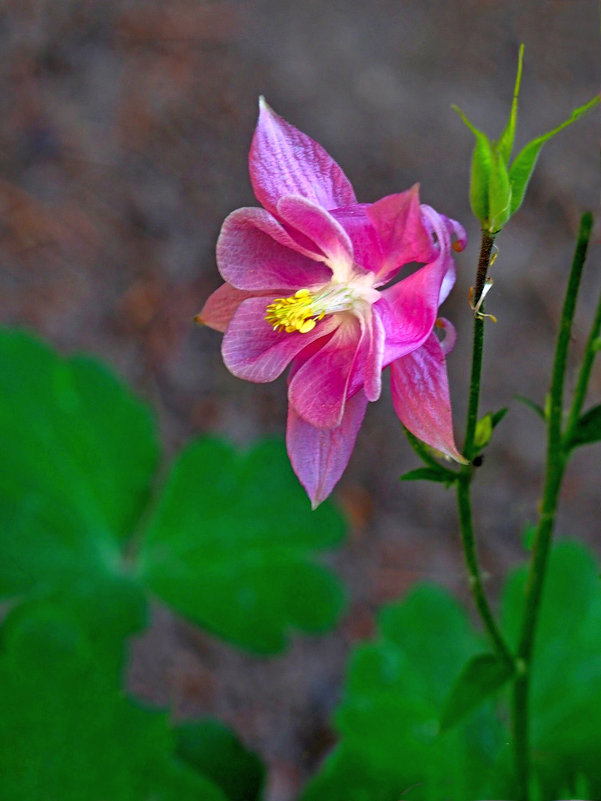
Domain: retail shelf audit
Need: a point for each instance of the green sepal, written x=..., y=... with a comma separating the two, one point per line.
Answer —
x=486, y=425
x=440, y=474
x=522, y=168
x=480, y=678
x=482, y=159
x=505, y=143
x=587, y=430
x=499, y=193
x=483, y=431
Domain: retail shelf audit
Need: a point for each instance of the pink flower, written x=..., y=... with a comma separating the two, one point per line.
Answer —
x=304, y=286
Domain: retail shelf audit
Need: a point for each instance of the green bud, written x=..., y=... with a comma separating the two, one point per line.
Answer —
x=499, y=194
x=505, y=144
x=497, y=190
x=480, y=171
x=483, y=433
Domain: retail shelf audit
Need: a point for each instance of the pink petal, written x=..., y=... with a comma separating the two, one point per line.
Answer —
x=450, y=335
x=319, y=387
x=458, y=231
x=420, y=394
x=397, y=220
x=375, y=337
x=254, y=252
x=320, y=227
x=444, y=229
x=254, y=351
x=366, y=245
x=319, y=456
x=409, y=308
x=285, y=161
x=221, y=305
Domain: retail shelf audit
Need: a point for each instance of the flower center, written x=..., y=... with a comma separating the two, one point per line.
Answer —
x=296, y=313
x=303, y=310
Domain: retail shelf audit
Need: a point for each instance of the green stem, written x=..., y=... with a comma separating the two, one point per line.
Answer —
x=555, y=466
x=471, y=560
x=478, y=346
x=465, y=478
x=584, y=374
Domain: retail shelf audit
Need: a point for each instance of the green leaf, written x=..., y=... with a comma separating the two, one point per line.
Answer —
x=388, y=720
x=79, y=453
x=536, y=407
x=216, y=753
x=481, y=677
x=482, y=158
x=74, y=434
x=566, y=673
x=231, y=546
x=505, y=144
x=523, y=166
x=588, y=428
x=396, y=689
x=430, y=474
x=499, y=194
x=68, y=732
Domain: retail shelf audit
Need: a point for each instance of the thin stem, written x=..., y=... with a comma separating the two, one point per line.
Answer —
x=585, y=372
x=465, y=478
x=478, y=346
x=475, y=576
x=555, y=466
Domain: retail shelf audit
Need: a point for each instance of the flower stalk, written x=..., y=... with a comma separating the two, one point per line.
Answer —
x=557, y=455
x=469, y=451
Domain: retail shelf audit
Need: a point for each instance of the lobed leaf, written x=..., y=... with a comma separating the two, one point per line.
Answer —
x=396, y=688
x=231, y=545
x=79, y=457
x=67, y=729
x=79, y=453
x=566, y=674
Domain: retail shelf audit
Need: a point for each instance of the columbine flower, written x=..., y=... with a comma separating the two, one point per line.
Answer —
x=305, y=278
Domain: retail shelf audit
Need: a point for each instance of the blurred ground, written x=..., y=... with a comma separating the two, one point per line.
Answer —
x=124, y=131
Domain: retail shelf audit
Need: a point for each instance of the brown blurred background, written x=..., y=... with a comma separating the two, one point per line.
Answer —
x=124, y=133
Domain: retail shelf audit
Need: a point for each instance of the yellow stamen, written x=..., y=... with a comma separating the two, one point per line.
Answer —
x=293, y=314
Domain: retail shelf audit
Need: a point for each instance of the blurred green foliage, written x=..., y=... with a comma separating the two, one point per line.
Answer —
x=86, y=535
x=230, y=546
x=81, y=519
x=68, y=731
x=398, y=689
